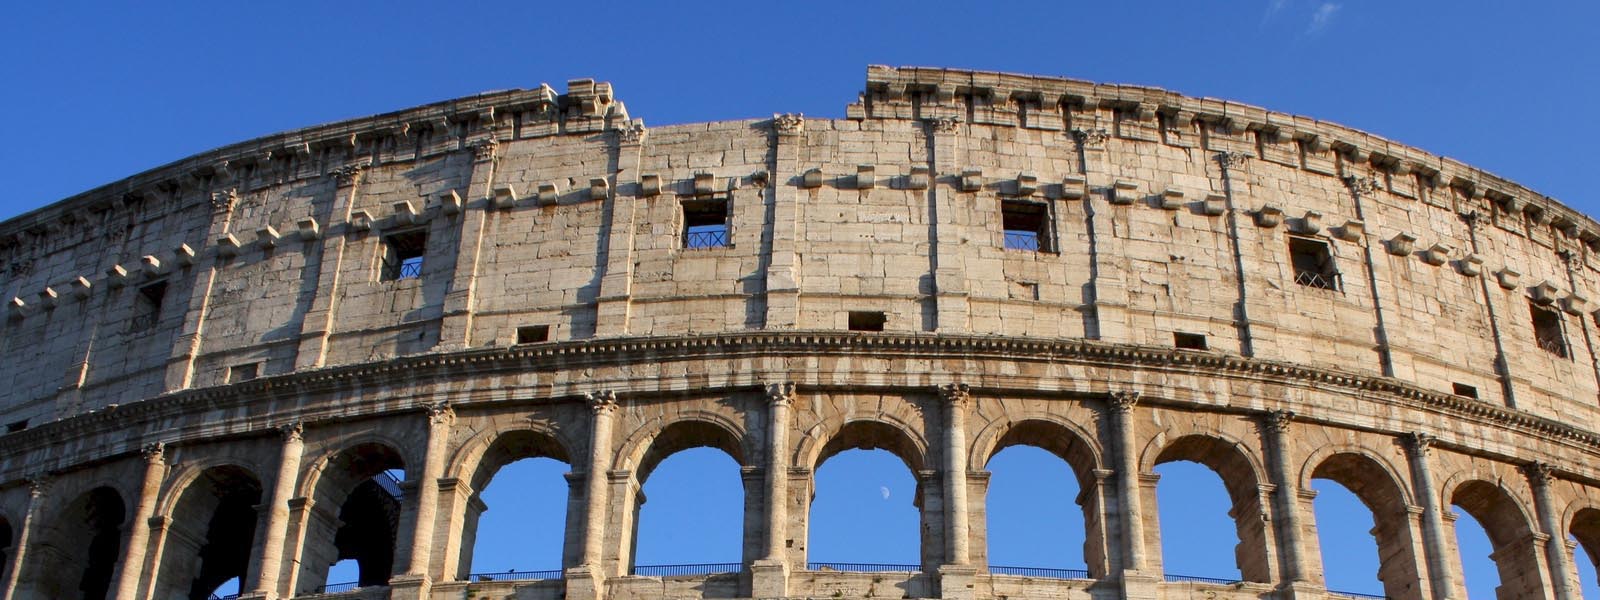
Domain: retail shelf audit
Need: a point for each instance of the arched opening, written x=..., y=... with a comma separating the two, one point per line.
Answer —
x=211, y=530
x=866, y=506
x=694, y=522
x=1513, y=548
x=78, y=556
x=1363, y=528
x=1479, y=575
x=1036, y=468
x=6, y=543
x=524, y=475
x=360, y=488
x=1215, y=528
x=1585, y=533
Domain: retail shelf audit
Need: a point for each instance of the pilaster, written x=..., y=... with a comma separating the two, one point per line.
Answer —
x=616, y=284
x=783, y=265
x=317, y=324
x=1442, y=576
x=186, y=344
x=455, y=329
x=950, y=218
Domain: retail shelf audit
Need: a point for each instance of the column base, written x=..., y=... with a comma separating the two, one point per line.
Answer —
x=769, y=579
x=583, y=583
x=256, y=596
x=1140, y=586
x=409, y=587
x=1302, y=590
x=956, y=582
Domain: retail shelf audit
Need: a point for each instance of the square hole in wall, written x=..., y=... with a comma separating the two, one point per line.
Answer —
x=1189, y=341
x=1464, y=390
x=1313, y=264
x=244, y=372
x=705, y=223
x=1547, y=330
x=1026, y=225
x=16, y=426
x=865, y=320
x=403, y=253
x=533, y=334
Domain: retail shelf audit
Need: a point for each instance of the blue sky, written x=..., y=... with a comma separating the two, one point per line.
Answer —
x=97, y=92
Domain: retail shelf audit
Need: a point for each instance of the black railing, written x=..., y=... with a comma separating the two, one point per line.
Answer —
x=1322, y=281
x=334, y=588
x=684, y=570
x=227, y=597
x=1026, y=241
x=389, y=483
x=1357, y=595
x=1040, y=572
x=142, y=323
x=1171, y=578
x=715, y=238
x=1553, y=345
x=862, y=567
x=515, y=575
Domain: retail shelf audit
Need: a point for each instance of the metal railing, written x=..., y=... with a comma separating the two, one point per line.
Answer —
x=711, y=238
x=1553, y=345
x=1040, y=572
x=1322, y=281
x=862, y=567
x=334, y=588
x=1357, y=595
x=685, y=570
x=1026, y=241
x=389, y=483
x=1172, y=578
x=143, y=323
x=515, y=575
x=227, y=597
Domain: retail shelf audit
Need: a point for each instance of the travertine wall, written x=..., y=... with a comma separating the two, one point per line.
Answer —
x=1164, y=215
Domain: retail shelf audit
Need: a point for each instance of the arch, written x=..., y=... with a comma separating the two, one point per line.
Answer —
x=1584, y=525
x=78, y=548
x=1067, y=440
x=1378, y=487
x=1510, y=531
x=211, y=532
x=1241, y=475
x=866, y=434
x=476, y=465
x=467, y=461
x=184, y=474
x=355, y=514
x=1377, y=463
x=659, y=438
x=313, y=471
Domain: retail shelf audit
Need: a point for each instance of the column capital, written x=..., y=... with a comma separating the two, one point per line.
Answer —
x=943, y=124
x=293, y=432
x=154, y=453
x=39, y=485
x=956, y=394
x=1277, y=421
x=789, y=123
x=1232, y=160
x=441, y=413
x=781, y=393
x=603, y=402
x=1417, y=442
x=1539, y=474
x=1122, y=402
x=1091, y=137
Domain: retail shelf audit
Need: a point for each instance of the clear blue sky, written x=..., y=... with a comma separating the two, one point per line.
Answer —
x=97, y=92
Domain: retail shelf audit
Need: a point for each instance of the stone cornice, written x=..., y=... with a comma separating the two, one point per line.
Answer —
x=123, y=422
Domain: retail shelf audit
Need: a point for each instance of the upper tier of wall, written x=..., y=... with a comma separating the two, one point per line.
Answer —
x=1162, y=215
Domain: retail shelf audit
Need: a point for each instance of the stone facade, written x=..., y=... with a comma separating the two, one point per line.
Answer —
x=210, y=361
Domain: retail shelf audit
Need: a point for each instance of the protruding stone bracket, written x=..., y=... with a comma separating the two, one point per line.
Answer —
x=919, y=178
x=971, y=180
x=1123, y=192
x=1309, y=223
x=1574, y=303
x=704, y=184
x=1026, y=184
x=117, y=276
x=80, y=287
x=1073, y=187
x=309, y=229
x=1268, y=216
x=503, y=197
x=183, y=255
x=649, y=185
x=599, y=188
x=1350, y=231
x=17, y=308
x=151, y=266
x=360, y=220
x=550, y=192
x=1545, y=293
x=405, y=214
x=48, y=298
x=1507, y=278
x=1436, y=254
x=1170, y=199
x=1470, y=265
x=1214, y=205
x=268, y=236
x=1401, y=244
x=866, y=177
x=449, y=202
x=811, y=179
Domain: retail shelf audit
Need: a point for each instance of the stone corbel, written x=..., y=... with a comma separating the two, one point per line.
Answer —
x=704, y=183
x=1350, y=231
x=1170, y=199
x=760, y=178
x=503, y=197
x=599, y=188
x=1123, y=192
x=919, y=179
x=1545, y=293
x=1268, y=216
x=1507, y=278
x=811, y=179
x=183, y=255
x=1026, y=184
x=449, y=202
x=80, y=287
x=1470, y=265
x=48, y=298
x=227, y=246
x=309, y=229
x=1401, y=244
x=1436, y=254
x=16, y=308
x=649, y=185
x=866, y=177
x=151, y=267
x=971, y=180
x=116, y=276
x=1215, y=205
x=1537, y=214
x=1310, y=223
x=360, y=220
x=268, y=236
x=1313, y=143
x=405, y=213
x=1574, y=303
x=550, y=192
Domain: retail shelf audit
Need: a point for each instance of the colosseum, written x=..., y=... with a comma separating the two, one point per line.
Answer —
x=214, y=363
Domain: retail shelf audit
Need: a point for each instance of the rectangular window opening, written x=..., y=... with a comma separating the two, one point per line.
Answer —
x=533, y=334
x=1547, y=331
x=1026, y=225
x=16, y=426
x=147, y=309
x=244, y=372
x=1464, y=390
x=1189, y=341
x=705, y=223
x=861, y=320
x=403, y=253
x=1313, y=263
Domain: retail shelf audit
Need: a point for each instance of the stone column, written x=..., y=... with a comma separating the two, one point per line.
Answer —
x=957, y=572
x=155, y=468
x=265, y=585
x=38, y=494
x=1441, y=574
x=587, y=581
x=415, y=582
x=1556, y=557
x=1126, y=460
x=769, y=575
x=1292, y=548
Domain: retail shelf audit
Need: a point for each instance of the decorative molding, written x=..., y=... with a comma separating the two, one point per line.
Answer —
x=1418, y=443
x=781, y=393
x=441, y=413
x=789, y=123
x=1122, y=402
x=1277, y=421
x=1362, y=186
x=632, y=133
x=1091, y=138
x=956, y=394
x=292, y=432
x=1539, y=473
x=943, y=124
x=154, y=453
x=603, y=402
